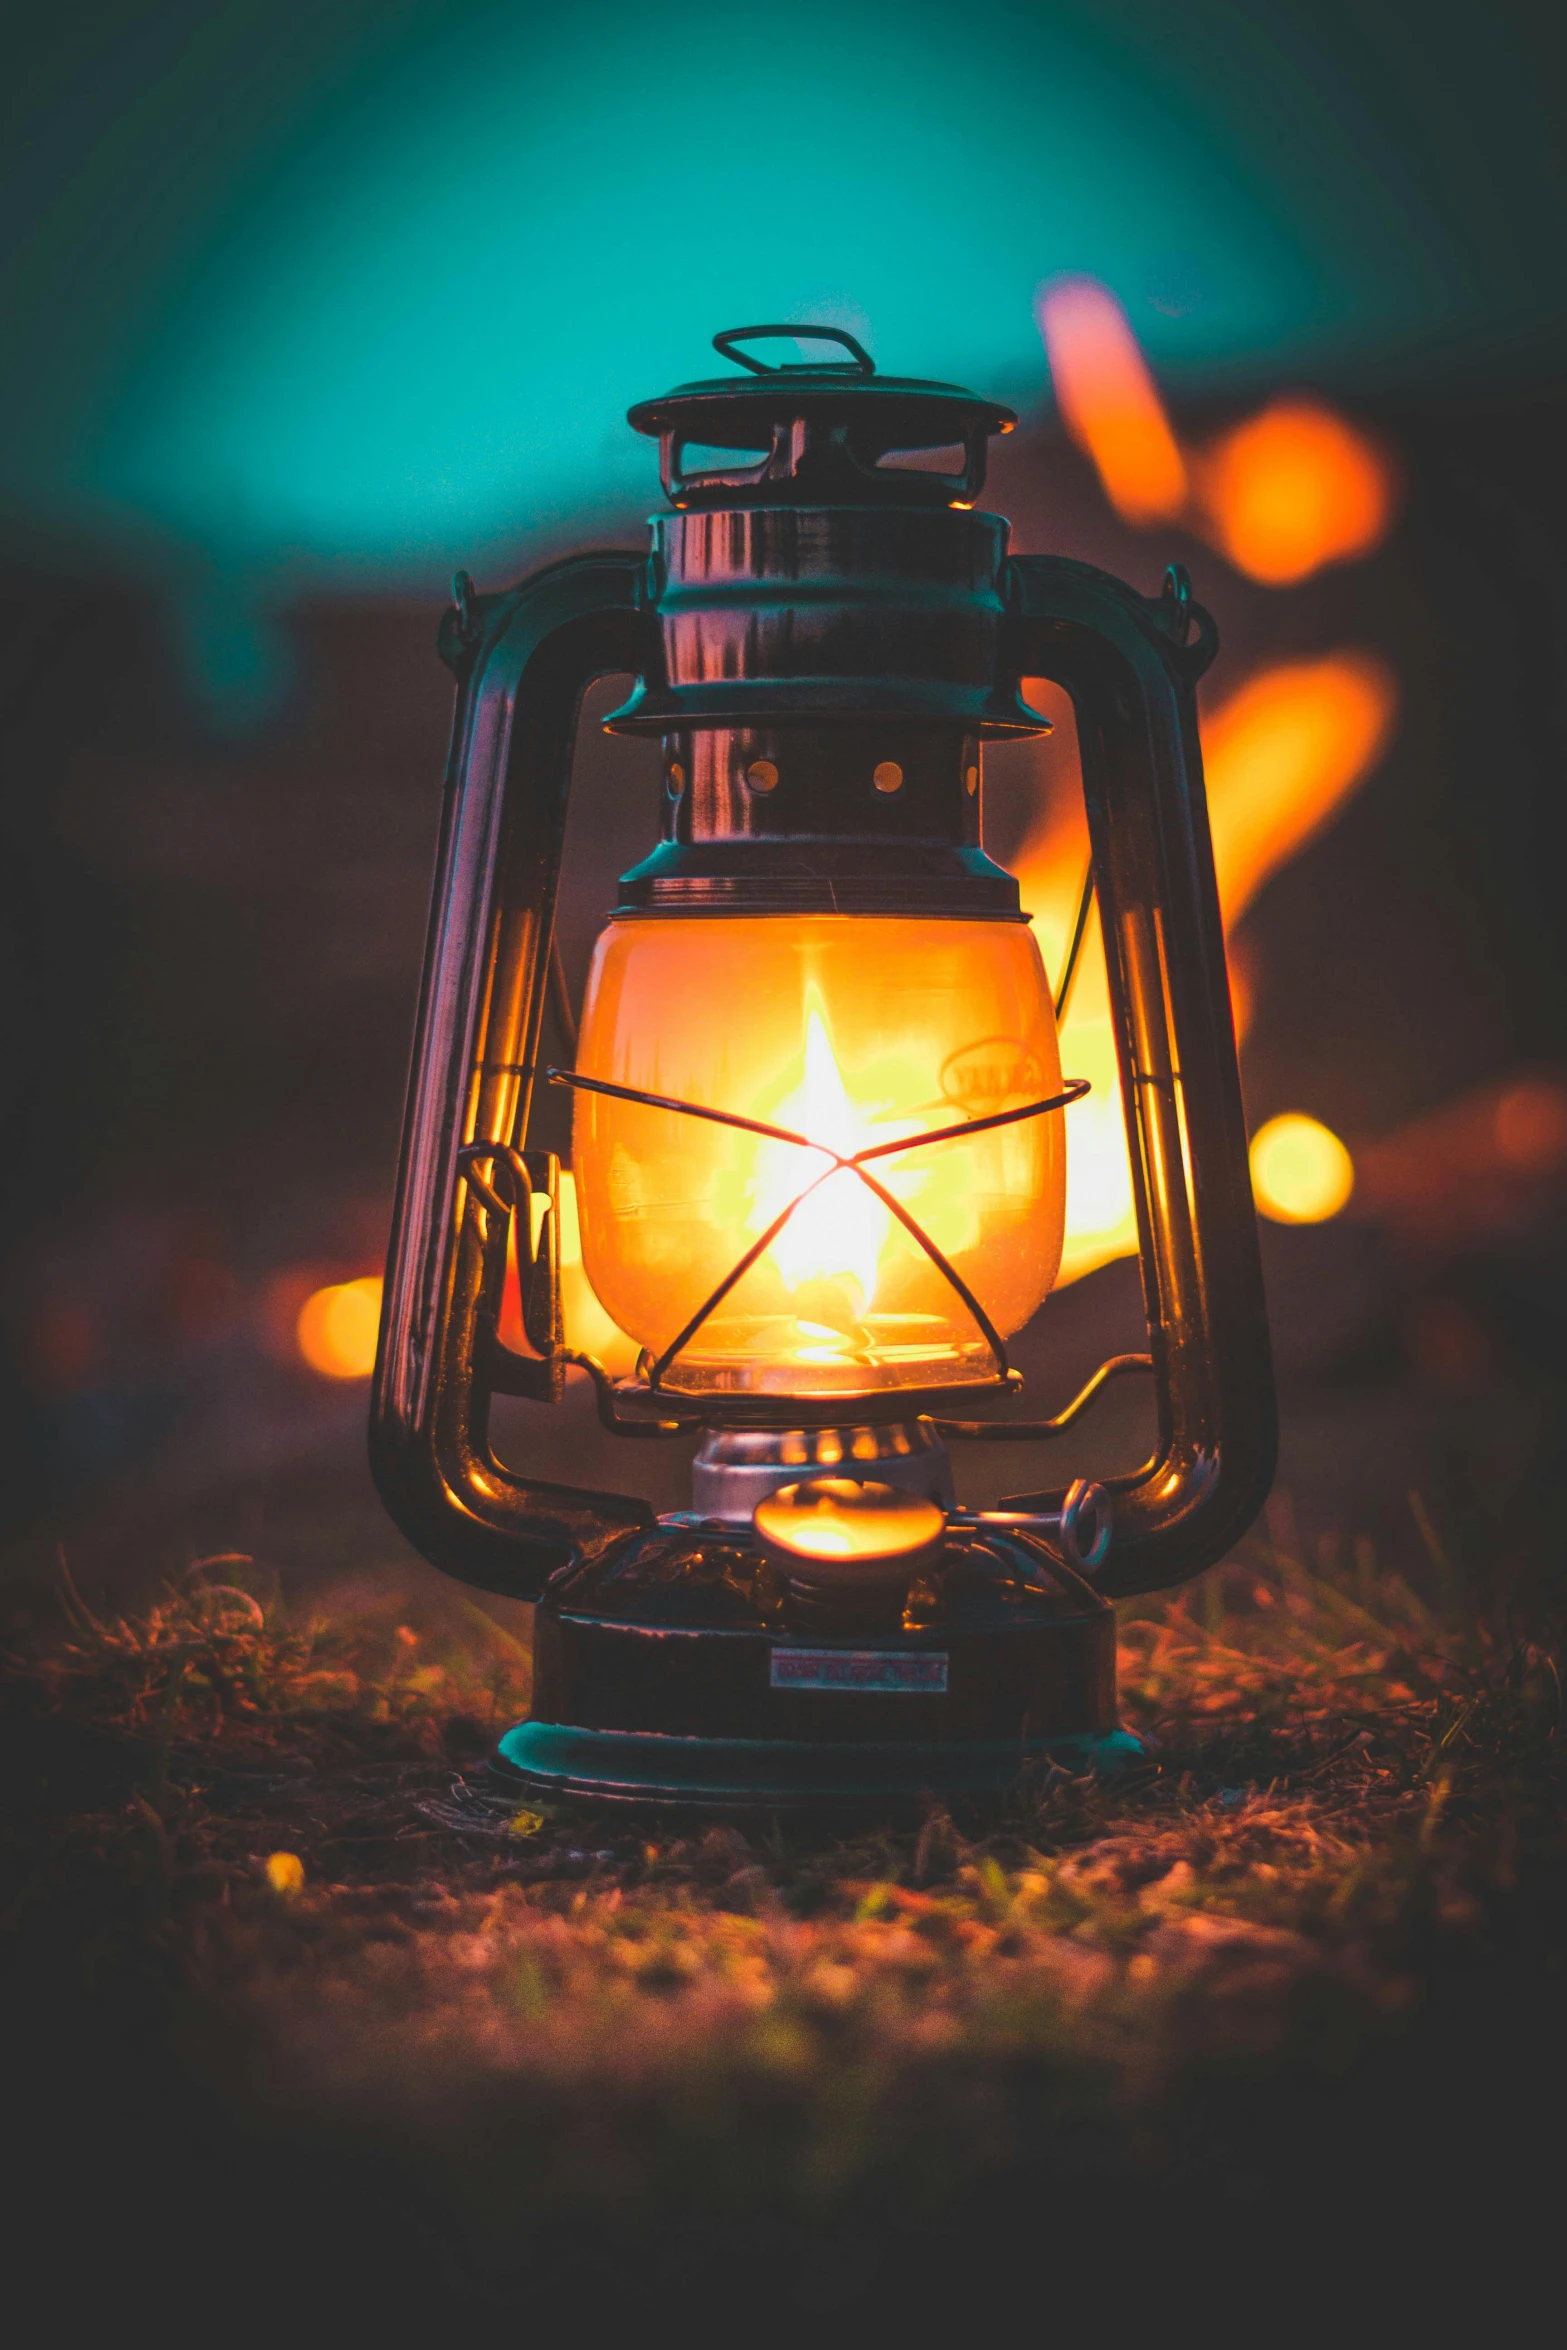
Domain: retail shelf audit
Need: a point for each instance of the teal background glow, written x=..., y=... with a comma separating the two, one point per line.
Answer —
x=348, y=294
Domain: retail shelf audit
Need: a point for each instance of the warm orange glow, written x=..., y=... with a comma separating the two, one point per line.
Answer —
x=830, y=1249
x=1282, y=756
x=1488, y=1161
x=1109, y=401
x=852, y=1032
x=1300, y=1171
x=1293, y=489
x=337, y=1328
x=835, y=1518
x=1531, y=1126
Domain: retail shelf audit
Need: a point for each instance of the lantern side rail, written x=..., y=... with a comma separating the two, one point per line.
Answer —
x=852, y=1163
x=1130, y=664
x=523, y=661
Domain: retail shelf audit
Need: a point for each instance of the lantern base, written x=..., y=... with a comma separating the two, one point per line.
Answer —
x=680, y=1667
x=891, y=1779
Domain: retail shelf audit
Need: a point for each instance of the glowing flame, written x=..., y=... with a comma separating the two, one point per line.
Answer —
x=1109, y=401
x=1300, y=1171
x=1292, y=489
x=829, y=1250
x=1281, y=755
x=337, y=1329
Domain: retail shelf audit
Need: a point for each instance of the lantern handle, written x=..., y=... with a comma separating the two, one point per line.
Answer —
x=523, y=661
x=859, y=361
x=1130, y=664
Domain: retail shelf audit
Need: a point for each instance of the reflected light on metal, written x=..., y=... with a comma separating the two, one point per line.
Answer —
x=836, y=1518
x=1109, y=401
x=588, y=1328
x=1293, y=489
x=1282, y=755
x=337, y=1328
x=1300, y=1171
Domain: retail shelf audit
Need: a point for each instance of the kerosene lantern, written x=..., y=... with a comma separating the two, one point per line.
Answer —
x=818, y=1139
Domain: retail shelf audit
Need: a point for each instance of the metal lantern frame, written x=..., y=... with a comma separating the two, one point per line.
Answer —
x=819, y=598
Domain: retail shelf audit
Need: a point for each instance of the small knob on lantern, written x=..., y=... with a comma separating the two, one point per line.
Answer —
x=848, y=1550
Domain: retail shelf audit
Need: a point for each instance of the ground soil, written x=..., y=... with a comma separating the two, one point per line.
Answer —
x=311, y=2021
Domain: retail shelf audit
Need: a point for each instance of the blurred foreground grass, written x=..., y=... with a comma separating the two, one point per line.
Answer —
x=272, y=1931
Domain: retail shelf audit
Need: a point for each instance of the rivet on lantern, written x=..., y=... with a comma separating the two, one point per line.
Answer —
x=677, y=779
x=971, y=780
x=888, y=776
x=762, y=775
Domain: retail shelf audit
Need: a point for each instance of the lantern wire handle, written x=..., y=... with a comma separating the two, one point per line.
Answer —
x=859, y=361
x=560, y=998
x=1040, y=1431
x=855, y=1164
x=1073, y=952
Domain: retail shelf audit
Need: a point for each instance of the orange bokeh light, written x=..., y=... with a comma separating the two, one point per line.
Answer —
x=1488, y=1161
x=1300, y=1171
x=1109, y=401
x=1292, y=489
x=1531, y=1126
x=337, y=1328
x=1282, y=754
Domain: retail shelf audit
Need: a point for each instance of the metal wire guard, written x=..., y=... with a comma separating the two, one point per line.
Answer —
x=1073, y=1090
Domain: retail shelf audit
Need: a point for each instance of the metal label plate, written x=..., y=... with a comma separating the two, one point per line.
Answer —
x=921, y=1671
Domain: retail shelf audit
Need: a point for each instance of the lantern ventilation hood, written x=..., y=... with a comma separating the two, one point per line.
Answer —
x=821, y=583
x=820, y=430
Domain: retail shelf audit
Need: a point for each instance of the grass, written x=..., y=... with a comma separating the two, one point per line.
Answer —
x=1313, y=1942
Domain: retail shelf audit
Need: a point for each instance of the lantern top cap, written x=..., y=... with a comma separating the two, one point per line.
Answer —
x=826, y=426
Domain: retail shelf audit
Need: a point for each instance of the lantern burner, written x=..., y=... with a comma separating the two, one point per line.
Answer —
x=737, y=1468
